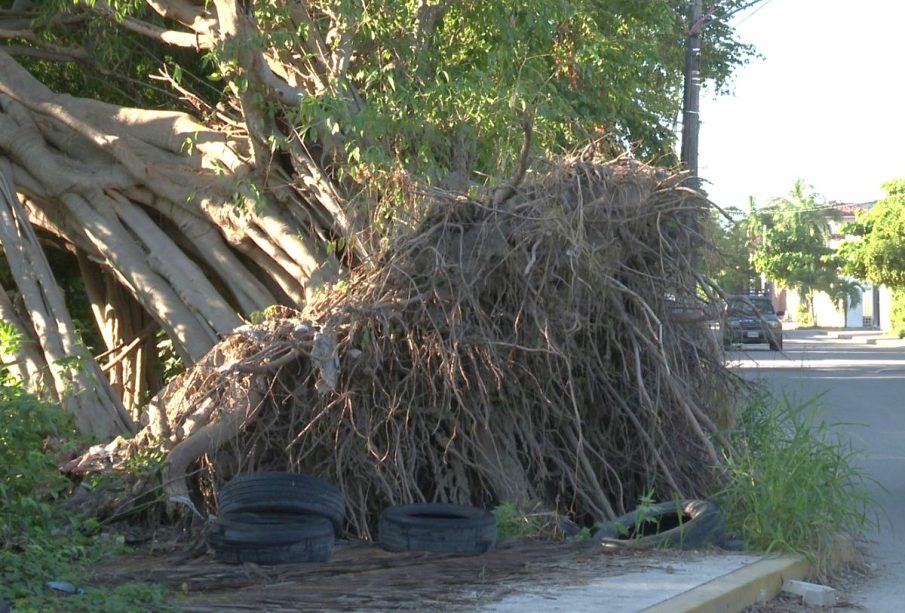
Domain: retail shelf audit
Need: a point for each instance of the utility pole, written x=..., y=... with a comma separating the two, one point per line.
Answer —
x=691, y=103
x=690, y=123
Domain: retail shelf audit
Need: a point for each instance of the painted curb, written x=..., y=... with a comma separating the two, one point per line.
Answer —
x=735, y=591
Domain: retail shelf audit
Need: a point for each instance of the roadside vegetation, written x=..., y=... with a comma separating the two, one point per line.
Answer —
x=898, y=313
x=878, y=254
x=40, y=541
x=794, y=484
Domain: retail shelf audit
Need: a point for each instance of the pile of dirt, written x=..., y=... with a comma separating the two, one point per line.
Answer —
x=547, y=350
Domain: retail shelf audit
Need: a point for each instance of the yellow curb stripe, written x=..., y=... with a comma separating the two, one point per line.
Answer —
x=739, y=589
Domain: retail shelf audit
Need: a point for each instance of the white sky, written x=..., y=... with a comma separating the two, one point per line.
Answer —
x=826, y=104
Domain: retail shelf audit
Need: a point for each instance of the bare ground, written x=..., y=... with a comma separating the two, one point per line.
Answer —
x=361, y=576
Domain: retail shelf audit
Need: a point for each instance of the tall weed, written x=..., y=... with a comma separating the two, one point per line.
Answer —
x=795, y=484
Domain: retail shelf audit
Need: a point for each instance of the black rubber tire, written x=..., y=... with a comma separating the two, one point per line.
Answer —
x=438, y=528
x=283, y=493
x=270, y=538
x=703, y=527
x=777, y=345
x=270, y=528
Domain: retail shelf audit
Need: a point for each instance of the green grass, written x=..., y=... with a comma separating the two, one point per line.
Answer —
x=512, y=523
x=795, y=485
x=515, y=524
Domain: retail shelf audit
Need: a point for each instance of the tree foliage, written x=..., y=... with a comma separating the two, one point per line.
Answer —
x=437, y=87
x=306, y=132
x=794, y=244
x=728, y=262
x=878, y=254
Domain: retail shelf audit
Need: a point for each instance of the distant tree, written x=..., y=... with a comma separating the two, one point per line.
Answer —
x=846, y=293
x=728, y=262
x=794, y=244
x=878, y=253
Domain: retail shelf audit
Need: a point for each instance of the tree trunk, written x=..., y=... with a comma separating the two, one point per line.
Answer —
x=196, y=238
x=26, y=363
x=128, y=335
x=812, y=309
x=79, y=383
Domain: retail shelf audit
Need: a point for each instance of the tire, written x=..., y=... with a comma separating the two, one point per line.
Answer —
x=271, y=528
x=283, y=493
x=269, y=538
x=438, y=528
x=776, y=345
x=702, y=525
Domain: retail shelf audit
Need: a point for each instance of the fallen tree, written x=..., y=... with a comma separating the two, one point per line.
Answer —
x=501, y=318
x=536, y=351
x=298, y=160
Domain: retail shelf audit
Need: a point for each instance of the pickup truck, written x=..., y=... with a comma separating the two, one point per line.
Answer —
x=752, y=320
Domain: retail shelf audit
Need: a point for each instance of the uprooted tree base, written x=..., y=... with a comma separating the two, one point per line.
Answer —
x=533, y=351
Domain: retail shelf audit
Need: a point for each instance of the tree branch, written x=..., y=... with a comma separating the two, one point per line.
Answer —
x=506, y=192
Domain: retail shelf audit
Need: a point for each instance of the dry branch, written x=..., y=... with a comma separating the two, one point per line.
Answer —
x=523, y=352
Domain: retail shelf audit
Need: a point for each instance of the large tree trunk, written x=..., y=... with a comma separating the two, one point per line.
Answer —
x=190, y=227
x=194, y=250
x=79, y=383
x=128, y=335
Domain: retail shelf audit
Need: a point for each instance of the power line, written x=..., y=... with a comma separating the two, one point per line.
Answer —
x=737, y=9
x=753, y=13
x=822, y=207
x=772, y=212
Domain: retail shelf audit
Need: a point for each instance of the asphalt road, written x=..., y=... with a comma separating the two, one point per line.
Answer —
x=863, y=386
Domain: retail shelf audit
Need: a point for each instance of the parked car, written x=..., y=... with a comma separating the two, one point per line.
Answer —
x=752, y=320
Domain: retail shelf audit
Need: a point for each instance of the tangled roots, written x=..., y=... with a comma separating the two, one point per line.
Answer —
x=537, y=351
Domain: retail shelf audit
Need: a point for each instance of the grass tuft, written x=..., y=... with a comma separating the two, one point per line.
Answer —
x=795, y=483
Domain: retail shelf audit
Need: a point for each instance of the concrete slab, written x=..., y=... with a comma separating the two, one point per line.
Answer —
x=812, y=594
x=658, y=583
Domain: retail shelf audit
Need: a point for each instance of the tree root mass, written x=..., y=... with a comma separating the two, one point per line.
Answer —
x=532, y=351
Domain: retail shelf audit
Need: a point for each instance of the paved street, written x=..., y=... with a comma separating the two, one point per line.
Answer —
x=864, y=385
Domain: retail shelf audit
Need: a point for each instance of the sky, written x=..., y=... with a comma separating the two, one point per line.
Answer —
x=825, y=105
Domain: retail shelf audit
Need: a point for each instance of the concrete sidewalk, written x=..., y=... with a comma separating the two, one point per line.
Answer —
x=858, y=336
x=714, y=582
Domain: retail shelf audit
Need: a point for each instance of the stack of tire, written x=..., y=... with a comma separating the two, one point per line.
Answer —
x=277, y=518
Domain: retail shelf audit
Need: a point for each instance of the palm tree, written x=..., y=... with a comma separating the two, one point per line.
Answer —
x=846, y=294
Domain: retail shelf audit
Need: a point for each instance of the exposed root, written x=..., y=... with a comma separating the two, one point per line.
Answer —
x=532, y=352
